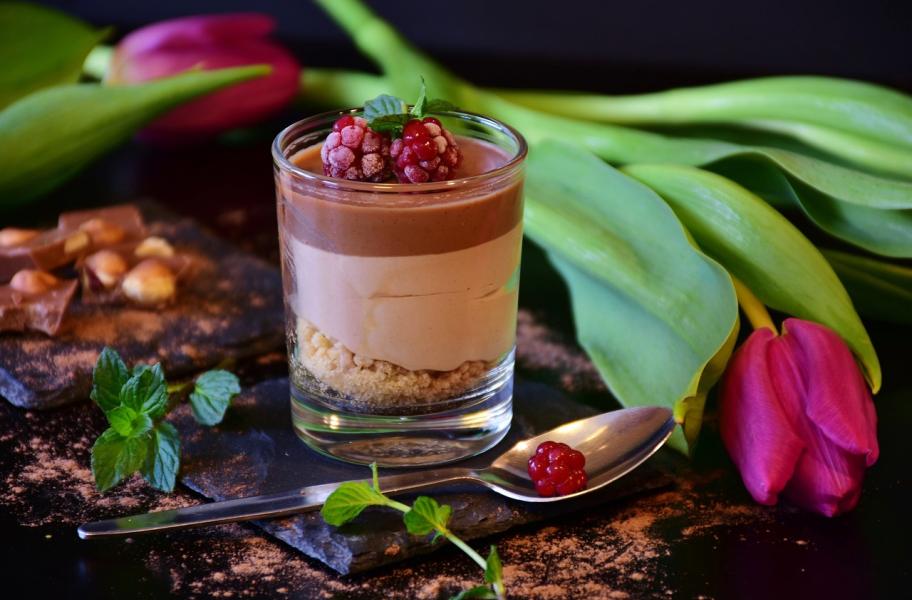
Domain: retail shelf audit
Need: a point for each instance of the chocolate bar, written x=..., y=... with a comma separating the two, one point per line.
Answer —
x=35, y=300
x=77, y=233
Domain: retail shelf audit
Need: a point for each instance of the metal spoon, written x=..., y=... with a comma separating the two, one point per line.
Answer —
x=614, y=444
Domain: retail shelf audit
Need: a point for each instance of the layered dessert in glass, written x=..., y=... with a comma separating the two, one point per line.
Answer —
x=400, y=285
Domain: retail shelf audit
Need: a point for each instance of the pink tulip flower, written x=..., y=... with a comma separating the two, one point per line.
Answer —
x=209, y=42
x=797, y=418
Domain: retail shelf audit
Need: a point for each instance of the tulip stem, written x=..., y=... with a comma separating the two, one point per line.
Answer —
x=755, y=310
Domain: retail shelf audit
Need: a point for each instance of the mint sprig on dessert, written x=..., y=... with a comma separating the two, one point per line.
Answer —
x=389, y=114
x=135, y=403
x=391, y=139
x=423, y=517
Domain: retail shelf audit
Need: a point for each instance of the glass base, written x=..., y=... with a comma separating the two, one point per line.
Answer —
x=479, y=420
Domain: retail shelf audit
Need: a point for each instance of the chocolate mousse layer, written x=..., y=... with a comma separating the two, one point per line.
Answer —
x=458, y=214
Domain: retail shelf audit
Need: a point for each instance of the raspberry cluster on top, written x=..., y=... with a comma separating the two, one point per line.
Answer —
x=392, y=140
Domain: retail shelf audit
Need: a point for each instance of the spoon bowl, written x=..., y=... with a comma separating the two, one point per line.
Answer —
x=614, y=443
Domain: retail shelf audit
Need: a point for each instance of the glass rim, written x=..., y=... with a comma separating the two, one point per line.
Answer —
x=280, y=160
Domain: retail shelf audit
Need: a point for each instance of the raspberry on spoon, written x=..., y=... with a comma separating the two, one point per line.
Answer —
x=556, y=469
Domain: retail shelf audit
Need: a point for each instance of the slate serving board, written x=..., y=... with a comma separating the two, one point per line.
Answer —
x=254, y=451
x=232, y=309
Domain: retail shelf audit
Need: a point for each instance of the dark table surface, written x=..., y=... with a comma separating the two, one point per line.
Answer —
x=703, y=537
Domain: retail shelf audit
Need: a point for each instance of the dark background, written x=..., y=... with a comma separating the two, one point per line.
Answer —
x=621, y=46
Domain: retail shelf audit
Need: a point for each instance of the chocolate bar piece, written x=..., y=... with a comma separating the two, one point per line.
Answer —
x=77, y=234
x=106, y=226
x=46, y=251
x=35, y=300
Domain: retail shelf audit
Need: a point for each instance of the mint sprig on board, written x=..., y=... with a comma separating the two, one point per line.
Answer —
x=389, y=114
x=135, y=403
x=424, y=517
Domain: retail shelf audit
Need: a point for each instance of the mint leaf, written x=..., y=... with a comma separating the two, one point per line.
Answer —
x=212, y=394
x=108, y=377
x=418, y=108
x=129, y=423
x=146, y=391
x=481, y=592
x=382, y=106
x=163, y=459
x=426, y=515
x=115, y=457
x=348, y=501
x=438, y=106
x=391, y=124
x=494, y=569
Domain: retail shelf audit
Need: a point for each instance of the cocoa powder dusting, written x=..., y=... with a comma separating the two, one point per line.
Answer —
x=540, y=349
x=619, y=551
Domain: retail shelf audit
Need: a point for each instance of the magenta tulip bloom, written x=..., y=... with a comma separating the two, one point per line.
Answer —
x=797, y=418
x=209, y=42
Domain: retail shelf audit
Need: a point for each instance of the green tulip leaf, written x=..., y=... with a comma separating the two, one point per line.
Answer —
x=784, y=104
x=879, y=289
x=882, y=230
x=40, y=47
x=847, y=203
x=651, y=310
x=763, y=249
x=48, y=136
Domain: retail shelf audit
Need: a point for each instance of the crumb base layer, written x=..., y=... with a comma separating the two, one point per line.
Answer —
x=369, y=411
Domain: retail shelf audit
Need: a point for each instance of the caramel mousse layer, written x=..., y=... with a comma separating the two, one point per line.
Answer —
x=403, y=223
x=423, y=283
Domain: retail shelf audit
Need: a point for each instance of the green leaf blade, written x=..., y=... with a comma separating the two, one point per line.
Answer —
x=146, y=391
x=88, y=120
x=40, y=47
x=163, y=459
x=115, y=457
x=212, y=395
x=384, y=105
x=479, y=592
x=348, y=501
x=427, y=515
x=108, y=377
x=418, y=109
x=763, y=249
x=879, y=289
x=494, y=569
x=651, y=310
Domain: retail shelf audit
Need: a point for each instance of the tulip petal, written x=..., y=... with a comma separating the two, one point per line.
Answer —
x=209, y=42
x=837, y=400
x=828, y=479
x=197, y=30
x=757, y=431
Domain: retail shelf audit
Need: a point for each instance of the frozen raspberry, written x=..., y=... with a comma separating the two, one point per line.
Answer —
x=426, y=152
x=556, y=469
x=355, y=151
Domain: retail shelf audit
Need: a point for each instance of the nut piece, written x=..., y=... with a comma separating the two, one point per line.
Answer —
x=30, y=281
x=11, y=236
x=154, y=246
x=104, y=233
x=150, y=282
x=76, y=242
x=107, y=266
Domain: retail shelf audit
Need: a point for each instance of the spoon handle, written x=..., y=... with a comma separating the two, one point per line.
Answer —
x=262, y=507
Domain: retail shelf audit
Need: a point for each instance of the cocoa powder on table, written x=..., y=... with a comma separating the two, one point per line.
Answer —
x=616, y=553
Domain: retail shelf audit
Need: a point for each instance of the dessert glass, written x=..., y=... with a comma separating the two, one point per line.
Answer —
x=401, y=298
